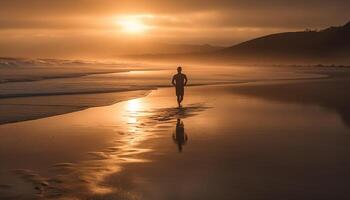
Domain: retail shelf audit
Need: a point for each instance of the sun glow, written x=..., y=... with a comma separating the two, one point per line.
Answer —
x=133, y=24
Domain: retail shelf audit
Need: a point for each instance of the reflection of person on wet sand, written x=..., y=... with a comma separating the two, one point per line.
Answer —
x=179, y=81
x=180, y=137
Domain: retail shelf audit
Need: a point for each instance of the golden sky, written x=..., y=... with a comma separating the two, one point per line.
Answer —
x=59, y=28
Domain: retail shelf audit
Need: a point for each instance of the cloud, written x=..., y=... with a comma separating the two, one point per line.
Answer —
x=243, y=8
x=48, y=23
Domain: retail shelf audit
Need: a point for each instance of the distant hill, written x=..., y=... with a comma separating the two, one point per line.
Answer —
x=328, y=46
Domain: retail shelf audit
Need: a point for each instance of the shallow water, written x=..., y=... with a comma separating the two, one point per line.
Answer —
x=133, y=78
x=233, y=146
x=35, y=92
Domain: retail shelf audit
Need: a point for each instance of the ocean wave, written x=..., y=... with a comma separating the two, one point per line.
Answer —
x=21, y=62
x=46, y=77
x=60, y=93
x=30, y=70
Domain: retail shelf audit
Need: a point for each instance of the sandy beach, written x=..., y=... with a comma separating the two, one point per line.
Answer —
x=174, y=100
x=240, y=141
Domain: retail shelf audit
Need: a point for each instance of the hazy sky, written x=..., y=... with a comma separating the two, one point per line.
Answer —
x=57, y=28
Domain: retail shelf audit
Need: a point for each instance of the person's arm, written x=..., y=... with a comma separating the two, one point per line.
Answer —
x=173, y=81
x=185, y=80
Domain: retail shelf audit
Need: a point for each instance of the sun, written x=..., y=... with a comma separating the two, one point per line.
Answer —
x=132, y=25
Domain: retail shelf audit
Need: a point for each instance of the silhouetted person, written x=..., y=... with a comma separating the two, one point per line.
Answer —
x=180, y=137
x=179, y=81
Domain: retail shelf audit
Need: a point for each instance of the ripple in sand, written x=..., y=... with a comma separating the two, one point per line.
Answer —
x=39, y=183
x=64, y=165
x=99, y=155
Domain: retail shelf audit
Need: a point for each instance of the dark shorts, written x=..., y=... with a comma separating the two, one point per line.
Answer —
x=180, y=91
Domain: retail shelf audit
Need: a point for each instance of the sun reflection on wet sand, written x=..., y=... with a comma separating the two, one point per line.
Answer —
x=126, y=150
x=134, y=105
x=139, y=121
x=132, y=123
x=133, y=108
x=89, y=176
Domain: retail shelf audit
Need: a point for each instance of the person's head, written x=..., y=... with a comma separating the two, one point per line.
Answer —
x=179, y=69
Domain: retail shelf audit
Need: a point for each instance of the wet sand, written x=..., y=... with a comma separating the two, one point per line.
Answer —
x=332, y=93
x=30, y=108
x=241, y=141
x=27, y=98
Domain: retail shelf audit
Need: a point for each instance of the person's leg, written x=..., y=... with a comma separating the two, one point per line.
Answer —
x=181, y=94
x=181, y=98
x=178, y=99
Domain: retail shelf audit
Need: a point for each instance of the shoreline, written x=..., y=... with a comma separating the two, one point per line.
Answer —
x=24, y=107
x=139, y=93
